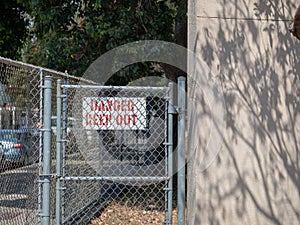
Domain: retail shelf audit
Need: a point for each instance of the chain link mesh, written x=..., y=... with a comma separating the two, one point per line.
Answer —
x=21, y=109
x=116, y=172
x=115, y=155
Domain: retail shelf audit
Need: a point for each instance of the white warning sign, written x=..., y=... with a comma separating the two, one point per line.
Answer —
x=114, y=113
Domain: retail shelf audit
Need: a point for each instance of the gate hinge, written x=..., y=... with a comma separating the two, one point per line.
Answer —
x=180, y=110
x=168, y=144
x=172, y=109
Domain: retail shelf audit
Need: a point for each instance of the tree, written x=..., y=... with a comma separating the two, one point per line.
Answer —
x=71, y=34
x=13, y=27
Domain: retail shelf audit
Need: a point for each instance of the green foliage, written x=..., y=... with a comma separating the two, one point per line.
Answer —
x=13, y=27
x=71, y=34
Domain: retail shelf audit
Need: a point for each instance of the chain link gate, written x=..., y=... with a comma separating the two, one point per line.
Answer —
x=114, y=155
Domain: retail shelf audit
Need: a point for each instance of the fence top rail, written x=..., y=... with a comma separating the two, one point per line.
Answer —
x=30, y=66
x=136, y=88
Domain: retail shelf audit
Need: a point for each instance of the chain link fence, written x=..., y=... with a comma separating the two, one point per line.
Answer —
x=112, y=165
x=21, y=105
x=115, y=155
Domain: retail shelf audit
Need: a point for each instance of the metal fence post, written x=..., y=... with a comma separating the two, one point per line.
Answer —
x=181, y=150
x=47, y=151
x=58, y=154
x=63, y=143
x=171, y=111
x=40, y=146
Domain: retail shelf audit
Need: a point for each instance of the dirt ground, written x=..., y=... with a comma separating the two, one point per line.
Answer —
x=120, y=214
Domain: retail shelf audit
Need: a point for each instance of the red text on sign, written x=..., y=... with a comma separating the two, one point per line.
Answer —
x=107, y=120
x=112, y=105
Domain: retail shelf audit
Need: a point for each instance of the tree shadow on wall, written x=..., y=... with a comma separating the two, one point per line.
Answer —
x=256, y=60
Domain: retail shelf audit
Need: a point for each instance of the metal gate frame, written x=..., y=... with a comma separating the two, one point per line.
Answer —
x=59, y=175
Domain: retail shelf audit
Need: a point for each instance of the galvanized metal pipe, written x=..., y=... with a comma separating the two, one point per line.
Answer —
x=45, y=179
x=135, y=88
x=40, y=147
x=181, y=150
x=115, y=179
x=171, y=112
x=58, y=154
x=64, y=142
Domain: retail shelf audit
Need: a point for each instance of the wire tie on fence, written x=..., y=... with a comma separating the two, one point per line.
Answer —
x=43, y=181
x=53, y=175
x=61, y=96
x=60, y=188
x=43, y=215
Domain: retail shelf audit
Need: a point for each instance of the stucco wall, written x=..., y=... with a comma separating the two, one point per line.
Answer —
x=255, y=178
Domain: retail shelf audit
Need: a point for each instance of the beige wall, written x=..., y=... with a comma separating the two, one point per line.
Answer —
x=255, y=178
